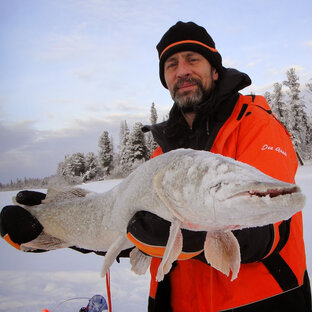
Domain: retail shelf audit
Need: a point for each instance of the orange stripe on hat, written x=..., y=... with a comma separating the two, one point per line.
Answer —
x=8, y=240
x=187, y=41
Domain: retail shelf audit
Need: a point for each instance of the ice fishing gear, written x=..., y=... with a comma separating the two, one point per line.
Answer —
x=96, y=304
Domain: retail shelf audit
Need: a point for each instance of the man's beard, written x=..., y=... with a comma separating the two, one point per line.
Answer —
x=189, y=101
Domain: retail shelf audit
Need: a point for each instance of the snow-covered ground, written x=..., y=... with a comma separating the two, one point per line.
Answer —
x=31, y=282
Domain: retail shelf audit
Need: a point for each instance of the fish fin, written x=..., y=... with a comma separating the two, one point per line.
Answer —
x=139, y=261
x=44, y=241
x=173, y=249
x=54, y=194
x=222, y=252
x=112, y=253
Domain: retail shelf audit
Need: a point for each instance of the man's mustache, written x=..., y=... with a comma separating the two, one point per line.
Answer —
x=181, y=81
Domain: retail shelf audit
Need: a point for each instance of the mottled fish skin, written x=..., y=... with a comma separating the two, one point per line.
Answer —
x=196, y=190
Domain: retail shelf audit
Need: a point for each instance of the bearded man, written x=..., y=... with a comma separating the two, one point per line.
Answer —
x=210, y=114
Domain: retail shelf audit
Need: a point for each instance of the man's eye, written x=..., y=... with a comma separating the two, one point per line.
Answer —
x=170, y=65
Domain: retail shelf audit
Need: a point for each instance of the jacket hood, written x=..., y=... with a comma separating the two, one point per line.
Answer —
x=231, y=82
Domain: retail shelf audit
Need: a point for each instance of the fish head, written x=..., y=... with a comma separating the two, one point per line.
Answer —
x=208, y=191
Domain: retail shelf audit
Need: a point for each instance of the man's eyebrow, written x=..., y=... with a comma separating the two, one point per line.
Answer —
x=191, y=53
x=171, y=58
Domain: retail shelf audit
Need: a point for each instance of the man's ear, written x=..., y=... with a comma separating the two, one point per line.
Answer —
x=215, y=74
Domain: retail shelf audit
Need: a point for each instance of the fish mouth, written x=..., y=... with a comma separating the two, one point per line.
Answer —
x=283, y=202
x=275, y=192
x=270, y=192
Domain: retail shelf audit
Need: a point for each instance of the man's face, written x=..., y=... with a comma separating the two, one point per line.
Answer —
x=189, y=76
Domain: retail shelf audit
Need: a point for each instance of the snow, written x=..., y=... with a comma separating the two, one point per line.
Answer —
x=31, y=282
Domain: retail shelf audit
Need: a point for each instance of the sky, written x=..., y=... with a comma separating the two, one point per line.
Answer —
x=71, y=69
x=63, y=274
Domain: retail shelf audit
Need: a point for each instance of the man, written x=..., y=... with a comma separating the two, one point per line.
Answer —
x=209, y=114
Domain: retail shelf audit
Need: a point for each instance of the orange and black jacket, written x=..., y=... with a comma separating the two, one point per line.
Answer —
x=273, y=275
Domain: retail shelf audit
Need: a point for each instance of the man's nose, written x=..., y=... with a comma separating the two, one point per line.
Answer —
x=183, y=70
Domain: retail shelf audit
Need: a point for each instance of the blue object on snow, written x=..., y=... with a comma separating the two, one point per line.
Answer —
x=97, y=304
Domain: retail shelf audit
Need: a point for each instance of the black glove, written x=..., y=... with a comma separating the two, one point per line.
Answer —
x=29, y=198
x=150, y=233
x=18, y=226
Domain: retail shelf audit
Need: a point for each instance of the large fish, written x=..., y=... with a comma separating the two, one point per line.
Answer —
x=195, y=190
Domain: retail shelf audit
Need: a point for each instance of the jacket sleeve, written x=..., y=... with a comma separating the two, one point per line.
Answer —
x=264, y=143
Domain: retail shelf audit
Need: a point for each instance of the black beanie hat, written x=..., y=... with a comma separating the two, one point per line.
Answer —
x=187, y=37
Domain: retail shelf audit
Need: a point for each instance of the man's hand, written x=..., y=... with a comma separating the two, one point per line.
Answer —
x=18, y=226
x=30, y=198
x=149, y=233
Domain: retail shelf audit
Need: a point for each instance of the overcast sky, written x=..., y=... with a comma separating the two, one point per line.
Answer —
x=70, y=69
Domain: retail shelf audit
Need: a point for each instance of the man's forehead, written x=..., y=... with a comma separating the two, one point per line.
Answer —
x=182, y=54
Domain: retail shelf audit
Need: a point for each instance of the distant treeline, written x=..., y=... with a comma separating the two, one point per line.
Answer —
x=26, y=182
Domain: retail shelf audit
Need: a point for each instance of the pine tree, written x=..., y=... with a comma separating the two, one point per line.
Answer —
x=154, y=115
x=298, y=117
x=112, y=144
x=105, y=153
x=309, y=86
x=268, y=97
x=72, y=168
x=76, y=164
x=124, y=149
x=150, y=142
x=278, y=106
x=79, y=161
x=137, y=146
x=91, y=167
x=61, y=169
